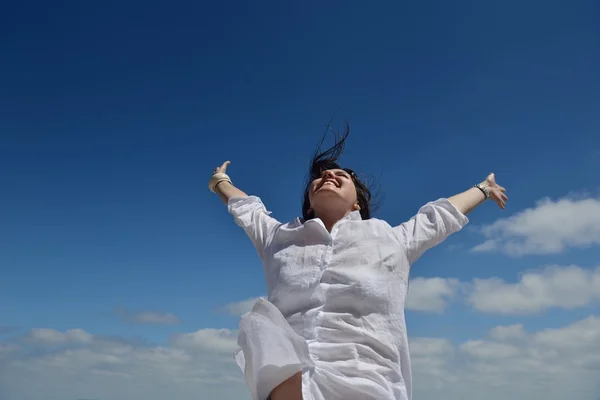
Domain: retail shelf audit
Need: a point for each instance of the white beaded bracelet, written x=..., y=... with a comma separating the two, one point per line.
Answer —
x=216, y=179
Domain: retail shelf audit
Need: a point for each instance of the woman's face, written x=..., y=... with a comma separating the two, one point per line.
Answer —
x=334, y=187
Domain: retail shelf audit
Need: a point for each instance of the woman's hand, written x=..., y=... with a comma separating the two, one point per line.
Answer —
x=219, y=177
x=466, y=201
x=224, y=188
x=222, y=168
x=497, y=192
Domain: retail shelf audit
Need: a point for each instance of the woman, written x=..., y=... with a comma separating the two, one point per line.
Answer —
x=333, y=326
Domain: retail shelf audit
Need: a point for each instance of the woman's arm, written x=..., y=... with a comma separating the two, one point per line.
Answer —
x=222, y=184
x=248, y=211
x=436, y=220
x=468, y=200
x=226, y=190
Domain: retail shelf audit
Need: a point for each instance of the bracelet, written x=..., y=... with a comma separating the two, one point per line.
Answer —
x=483, y=189
x=216, y=179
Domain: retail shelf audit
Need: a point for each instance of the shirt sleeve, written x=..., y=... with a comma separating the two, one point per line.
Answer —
x=250, y=213
x=434, y=222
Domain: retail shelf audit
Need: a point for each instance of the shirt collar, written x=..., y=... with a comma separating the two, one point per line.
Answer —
x=352, y=216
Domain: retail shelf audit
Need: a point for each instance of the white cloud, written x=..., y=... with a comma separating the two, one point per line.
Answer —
x=430, y=294
x=240, y=307
x=554, y=364
x=488, y=350
x=118, y=369
x=147, y=317
x=221, y=340
x=43, y=336
x=6, y=349
x=548, y=228
x=153, y=317
x=579, y=337
x=426, y=347
x=508, y=332
x=552, y=287
x=431, y=356
x=510, y=362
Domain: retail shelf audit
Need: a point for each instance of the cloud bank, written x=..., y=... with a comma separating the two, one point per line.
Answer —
x=554, y=364
x=551, y=227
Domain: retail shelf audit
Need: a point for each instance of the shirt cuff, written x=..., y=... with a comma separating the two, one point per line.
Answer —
x=447, y=205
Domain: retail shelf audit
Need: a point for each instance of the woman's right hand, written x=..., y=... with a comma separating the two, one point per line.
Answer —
x=222, y=169
x=225, y=189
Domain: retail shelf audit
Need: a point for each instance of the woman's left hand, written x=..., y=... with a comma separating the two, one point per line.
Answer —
x=497, y=192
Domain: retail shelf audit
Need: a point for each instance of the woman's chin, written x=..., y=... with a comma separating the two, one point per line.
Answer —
x=328, y=190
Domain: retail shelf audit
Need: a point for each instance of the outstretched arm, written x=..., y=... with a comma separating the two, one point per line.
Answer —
x=468, y=200
x=436, y=220
x=222, y=185
x=248, y=211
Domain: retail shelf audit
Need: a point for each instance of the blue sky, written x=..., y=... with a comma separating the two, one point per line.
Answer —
x=113, y=116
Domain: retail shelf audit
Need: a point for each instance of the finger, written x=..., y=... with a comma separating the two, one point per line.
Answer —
x=498, y=200
x=502, y=188
x=504, y=197
x=225, y=165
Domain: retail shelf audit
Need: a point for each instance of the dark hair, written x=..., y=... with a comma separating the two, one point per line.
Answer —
x=328, y=159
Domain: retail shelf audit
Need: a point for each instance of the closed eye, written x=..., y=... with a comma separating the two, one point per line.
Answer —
x=340, y=173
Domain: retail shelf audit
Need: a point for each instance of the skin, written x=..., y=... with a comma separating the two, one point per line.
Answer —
x=290, y=389
x=333, y=196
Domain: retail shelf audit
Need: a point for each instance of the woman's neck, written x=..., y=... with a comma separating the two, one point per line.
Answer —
x=331, y=217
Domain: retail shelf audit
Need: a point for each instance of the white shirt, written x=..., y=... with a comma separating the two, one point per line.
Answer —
x=335, y=308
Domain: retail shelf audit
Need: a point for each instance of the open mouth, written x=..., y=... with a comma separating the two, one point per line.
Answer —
x=329, y=182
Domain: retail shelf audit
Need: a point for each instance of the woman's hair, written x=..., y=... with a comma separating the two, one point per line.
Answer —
x=328, y=159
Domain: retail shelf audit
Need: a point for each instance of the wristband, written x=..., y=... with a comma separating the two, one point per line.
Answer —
x=483, y=189
x=216, y=179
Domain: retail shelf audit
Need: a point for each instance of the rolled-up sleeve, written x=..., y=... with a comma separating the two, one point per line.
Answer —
x=250, y=213
x=434, y=222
